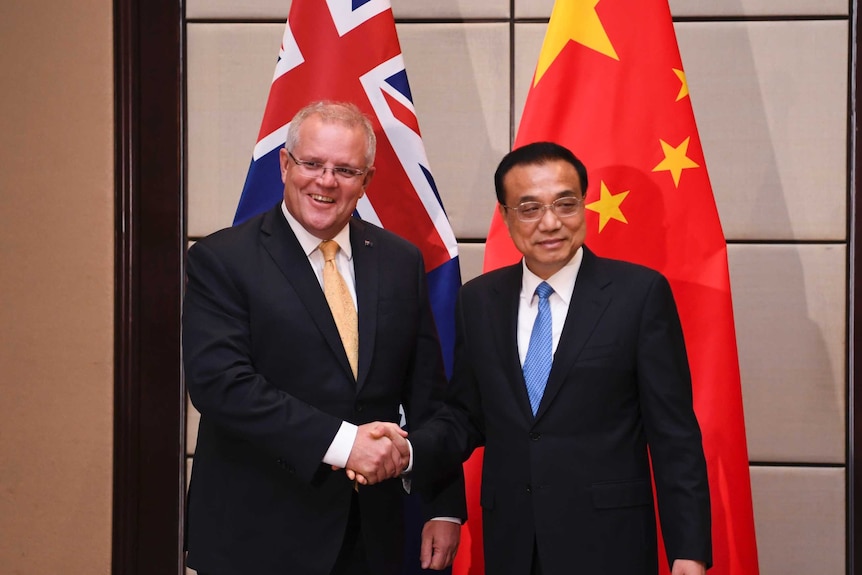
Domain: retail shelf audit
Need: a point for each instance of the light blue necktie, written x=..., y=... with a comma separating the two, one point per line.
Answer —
x=537, y=364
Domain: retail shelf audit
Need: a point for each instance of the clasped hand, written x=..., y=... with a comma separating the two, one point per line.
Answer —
x=380, y=451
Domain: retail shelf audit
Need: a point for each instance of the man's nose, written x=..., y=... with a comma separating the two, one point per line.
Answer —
x=328, y=178
x=549, y=219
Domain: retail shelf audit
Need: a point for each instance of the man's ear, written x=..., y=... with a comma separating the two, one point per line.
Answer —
x=283, y=161
x=369, y=175
x=504, y=215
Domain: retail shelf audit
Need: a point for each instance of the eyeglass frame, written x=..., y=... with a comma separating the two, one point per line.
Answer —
x=544, y=207
x=346, y=172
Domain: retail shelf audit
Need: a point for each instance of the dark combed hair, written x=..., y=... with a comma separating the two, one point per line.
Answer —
x=532, y=154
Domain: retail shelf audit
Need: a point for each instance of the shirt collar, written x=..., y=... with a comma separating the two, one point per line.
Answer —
x=563, y=281
x=310, y=242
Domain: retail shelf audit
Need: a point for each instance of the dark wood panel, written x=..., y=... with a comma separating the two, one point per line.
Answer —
x=149, y=237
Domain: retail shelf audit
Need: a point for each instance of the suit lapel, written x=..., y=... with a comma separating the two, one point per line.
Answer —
x=279, y=241
x=366, y=267
x=588, y=303
x=503, y=314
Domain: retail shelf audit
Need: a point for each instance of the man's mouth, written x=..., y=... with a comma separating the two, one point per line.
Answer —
x=324, y=199
x=550, y=241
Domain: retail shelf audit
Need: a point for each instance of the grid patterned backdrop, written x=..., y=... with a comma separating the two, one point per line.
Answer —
x=769, y=86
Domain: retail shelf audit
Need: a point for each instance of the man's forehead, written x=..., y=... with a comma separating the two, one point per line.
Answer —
x=556, y=177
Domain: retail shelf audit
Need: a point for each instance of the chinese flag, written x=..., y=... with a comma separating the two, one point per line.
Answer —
x=610, y=86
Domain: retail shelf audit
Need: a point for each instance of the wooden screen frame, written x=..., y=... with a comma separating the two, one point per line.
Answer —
x=149, y=434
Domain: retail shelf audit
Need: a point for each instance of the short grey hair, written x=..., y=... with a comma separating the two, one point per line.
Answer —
x=345, y=113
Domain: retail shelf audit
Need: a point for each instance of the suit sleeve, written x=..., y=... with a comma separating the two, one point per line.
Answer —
x=442, y=490
x=456, y=428
x=221, y=377
x=673, y=434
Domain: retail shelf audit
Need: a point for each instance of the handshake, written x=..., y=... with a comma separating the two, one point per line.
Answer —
x=380, y=451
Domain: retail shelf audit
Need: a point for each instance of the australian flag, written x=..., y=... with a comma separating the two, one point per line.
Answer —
x=348, y=51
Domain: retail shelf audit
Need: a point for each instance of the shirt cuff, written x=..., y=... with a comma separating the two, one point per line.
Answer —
x=409, y=467
x=405, y=480
x=449, y=519
x=342, y=444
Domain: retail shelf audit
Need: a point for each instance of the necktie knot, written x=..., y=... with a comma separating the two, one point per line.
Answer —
x=328, y=248
x=544, y=290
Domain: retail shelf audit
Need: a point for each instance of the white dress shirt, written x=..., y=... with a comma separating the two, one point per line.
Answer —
x=342, y=443
x=563, y=283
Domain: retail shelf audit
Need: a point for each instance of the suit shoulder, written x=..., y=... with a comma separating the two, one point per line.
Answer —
x=230, y=239
x=493, y=278
x=627, y=269
x=250, y=227
x=368, y=232
x=628, y=276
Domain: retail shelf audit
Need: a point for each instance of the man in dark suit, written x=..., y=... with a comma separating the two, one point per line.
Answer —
x=571, y=392
x=298, y=362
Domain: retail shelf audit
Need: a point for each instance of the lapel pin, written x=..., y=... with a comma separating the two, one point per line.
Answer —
x=369, y=244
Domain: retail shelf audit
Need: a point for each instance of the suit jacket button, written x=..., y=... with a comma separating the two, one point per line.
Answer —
x=529, y=488
x=360, y=407
x=535, y=436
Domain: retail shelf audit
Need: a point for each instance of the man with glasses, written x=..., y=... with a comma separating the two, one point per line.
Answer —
x=304, y=329
x=571, y=370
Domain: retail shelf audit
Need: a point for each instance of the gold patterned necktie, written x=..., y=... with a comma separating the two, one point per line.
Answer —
x=341, y=303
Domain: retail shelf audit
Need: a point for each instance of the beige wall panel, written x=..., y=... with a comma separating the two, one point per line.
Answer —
x=799, y=518
x=459, y=76
x=193, y=416
x=528, y=44
x=471, y=257
x=771, y=103
x=56, y=286
x=189, y=463
x=230, y=70
x=193, y=420
x=238, y=9
x=789, y=306
x=695, y=8
x=450, y=8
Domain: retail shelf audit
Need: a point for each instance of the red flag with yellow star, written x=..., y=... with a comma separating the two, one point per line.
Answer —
x=610, y=86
